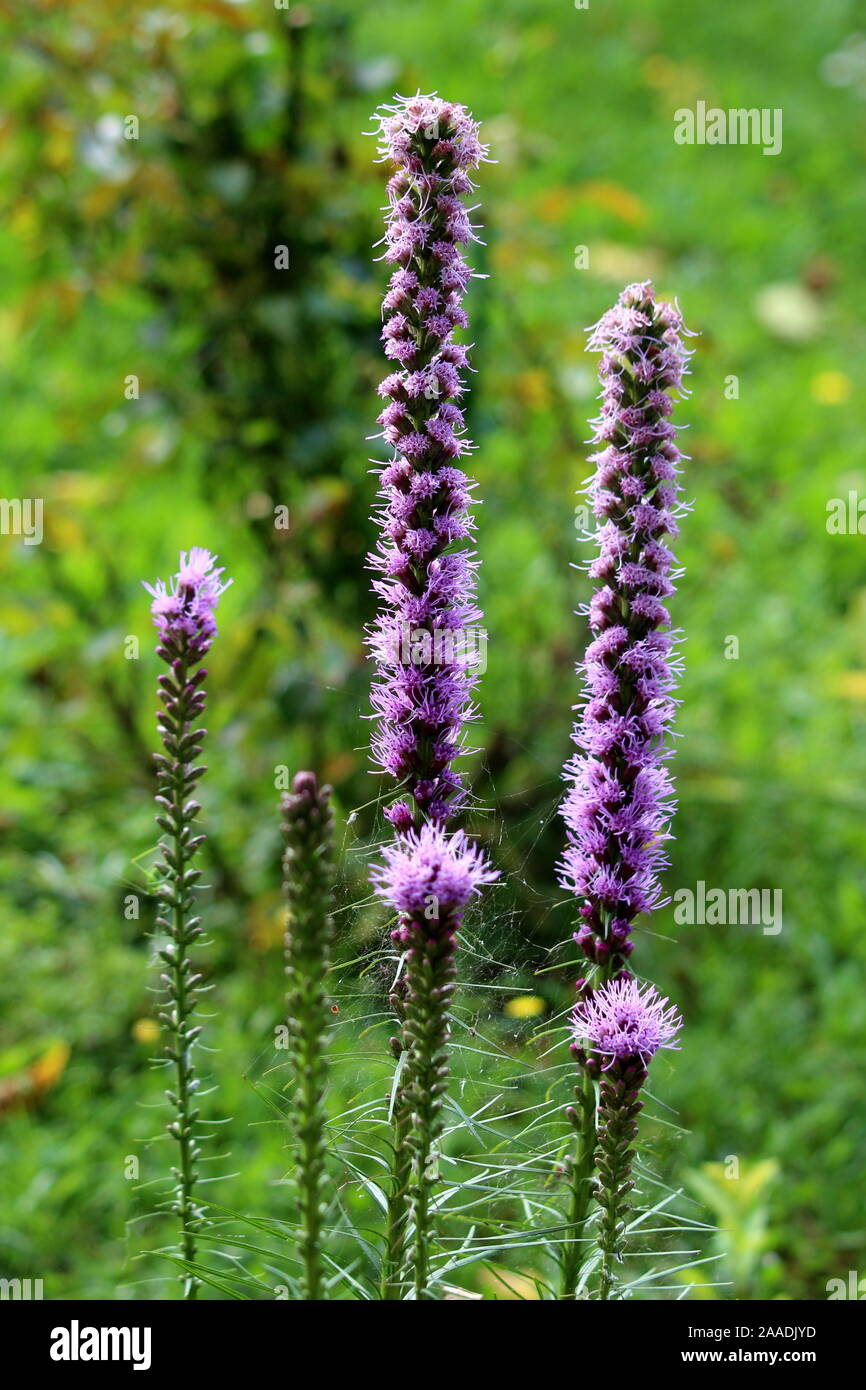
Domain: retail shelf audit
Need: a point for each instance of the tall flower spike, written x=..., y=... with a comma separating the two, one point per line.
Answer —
x=620, y=803
x=423, y=639
x=308, y=826
x=428, y=879
x=183, y=614
x=625, y=1025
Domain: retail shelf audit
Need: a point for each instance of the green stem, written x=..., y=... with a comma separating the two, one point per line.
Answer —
x=308, y=863
x=185, y=1079
x=310, y=1132
x=581, y=1164
x=581, y=1167
x=619, y=1106
x=393, y=1284
x=430, y=975
x=177, y=777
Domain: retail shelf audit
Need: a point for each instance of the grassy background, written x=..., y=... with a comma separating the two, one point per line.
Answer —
x=154, y=258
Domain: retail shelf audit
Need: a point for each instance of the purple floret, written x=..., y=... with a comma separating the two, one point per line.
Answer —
x=619, y=807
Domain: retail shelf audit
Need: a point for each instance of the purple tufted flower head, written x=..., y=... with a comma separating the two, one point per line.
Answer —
x=619, y=806
x=445, y=126
x=185, y=606
x=623, y=1020
x=427, y=867
x=422, y=692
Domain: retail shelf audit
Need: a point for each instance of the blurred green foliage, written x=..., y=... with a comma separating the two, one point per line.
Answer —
x=738, y=1199
x=153, y=257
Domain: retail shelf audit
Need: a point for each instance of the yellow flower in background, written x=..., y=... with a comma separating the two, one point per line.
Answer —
x=48, y=1069
x=524, y=1006
x=613, y=197
x=26, y=1086
x=145, y=1030
x=831, y=388
x=851, y=685
x=558, y=203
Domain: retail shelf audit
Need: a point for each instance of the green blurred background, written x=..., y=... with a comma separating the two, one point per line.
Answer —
x=153, y=257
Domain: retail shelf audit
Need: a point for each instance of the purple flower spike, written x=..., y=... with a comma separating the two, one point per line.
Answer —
x=422, y=639
x=623, y=1020
x=185, y=606
x=620, y=803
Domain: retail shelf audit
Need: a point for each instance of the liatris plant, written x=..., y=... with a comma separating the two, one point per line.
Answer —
x=183, y=613
x=428, y=878
x=625, y=1025
x=308, y=825
x=422, y=637
x=619, y=806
